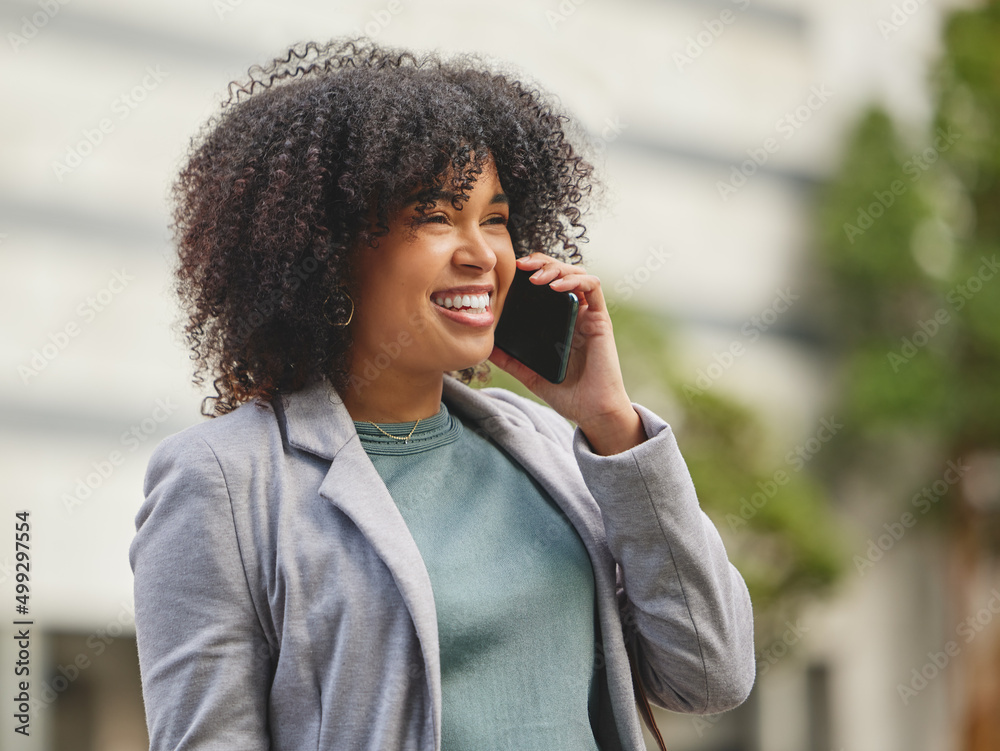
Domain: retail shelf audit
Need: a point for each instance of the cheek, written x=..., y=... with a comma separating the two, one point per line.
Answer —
x=505, y=263
x=505, y=275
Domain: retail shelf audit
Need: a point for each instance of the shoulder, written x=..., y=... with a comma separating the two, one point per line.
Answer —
x=247, y=430
x=249, y=420
x=200, y=479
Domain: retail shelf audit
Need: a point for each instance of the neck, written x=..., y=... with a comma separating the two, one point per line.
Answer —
x=393, y=397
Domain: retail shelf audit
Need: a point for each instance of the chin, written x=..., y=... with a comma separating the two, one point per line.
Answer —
x=471, y=361
x=466, y=365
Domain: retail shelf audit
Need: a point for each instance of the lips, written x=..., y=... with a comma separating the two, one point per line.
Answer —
x=466, y=305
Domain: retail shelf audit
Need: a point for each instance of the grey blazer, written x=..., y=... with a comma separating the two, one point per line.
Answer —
x=281, y=602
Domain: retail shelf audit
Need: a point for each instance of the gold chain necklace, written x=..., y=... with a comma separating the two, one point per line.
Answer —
x=396, y=437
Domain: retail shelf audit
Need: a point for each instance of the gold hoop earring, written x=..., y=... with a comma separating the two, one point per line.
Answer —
x=349, y=317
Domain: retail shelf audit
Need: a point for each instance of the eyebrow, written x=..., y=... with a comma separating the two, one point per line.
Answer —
x=447, y=195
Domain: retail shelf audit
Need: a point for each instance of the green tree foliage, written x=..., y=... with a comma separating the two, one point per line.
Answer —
x=917, y=290
x=968, y=83
x=910, y=234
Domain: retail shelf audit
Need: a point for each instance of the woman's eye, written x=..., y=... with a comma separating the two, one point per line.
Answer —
x=437, y=218
x=496, y=220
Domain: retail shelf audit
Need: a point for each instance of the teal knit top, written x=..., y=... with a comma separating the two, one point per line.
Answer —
x=513, y=588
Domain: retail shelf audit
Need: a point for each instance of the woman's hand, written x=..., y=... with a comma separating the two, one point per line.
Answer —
x=593, y=393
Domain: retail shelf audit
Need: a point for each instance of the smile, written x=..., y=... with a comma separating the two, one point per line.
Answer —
x=470, y=303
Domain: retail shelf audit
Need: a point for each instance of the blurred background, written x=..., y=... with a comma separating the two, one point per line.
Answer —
x=799, y=238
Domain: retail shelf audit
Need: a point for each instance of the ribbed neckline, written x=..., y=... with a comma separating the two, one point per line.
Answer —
x=431, y=432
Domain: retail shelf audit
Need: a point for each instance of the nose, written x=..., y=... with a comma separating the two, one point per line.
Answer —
x=475, y=251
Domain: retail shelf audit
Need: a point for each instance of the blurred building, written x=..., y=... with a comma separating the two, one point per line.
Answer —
x=713, y=121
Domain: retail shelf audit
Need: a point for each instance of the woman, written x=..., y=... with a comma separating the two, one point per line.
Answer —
x=360, y=551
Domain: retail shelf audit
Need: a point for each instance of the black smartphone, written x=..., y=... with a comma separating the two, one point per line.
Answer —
x=536, y=326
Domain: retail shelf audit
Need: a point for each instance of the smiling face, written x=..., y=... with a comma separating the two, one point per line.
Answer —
x=427, y=300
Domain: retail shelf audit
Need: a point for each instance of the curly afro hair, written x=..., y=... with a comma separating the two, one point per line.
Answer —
x=306, y=164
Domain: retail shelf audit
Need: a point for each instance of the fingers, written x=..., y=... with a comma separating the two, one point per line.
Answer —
x=564, y=277
x=535, y=260
x=546, y=268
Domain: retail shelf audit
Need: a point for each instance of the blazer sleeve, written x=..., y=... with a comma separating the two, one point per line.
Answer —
x=203, y=656
x=685, y=607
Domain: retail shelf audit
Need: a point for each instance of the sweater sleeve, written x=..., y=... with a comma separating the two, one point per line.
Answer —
x=203, y=656
x=684, y=605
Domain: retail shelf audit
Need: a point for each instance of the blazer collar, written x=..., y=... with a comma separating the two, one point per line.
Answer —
x=316, y=420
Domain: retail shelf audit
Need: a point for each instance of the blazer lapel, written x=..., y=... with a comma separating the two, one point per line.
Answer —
x=317, y=421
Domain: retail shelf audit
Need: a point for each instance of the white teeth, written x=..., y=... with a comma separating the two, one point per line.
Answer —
x=475, y=303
